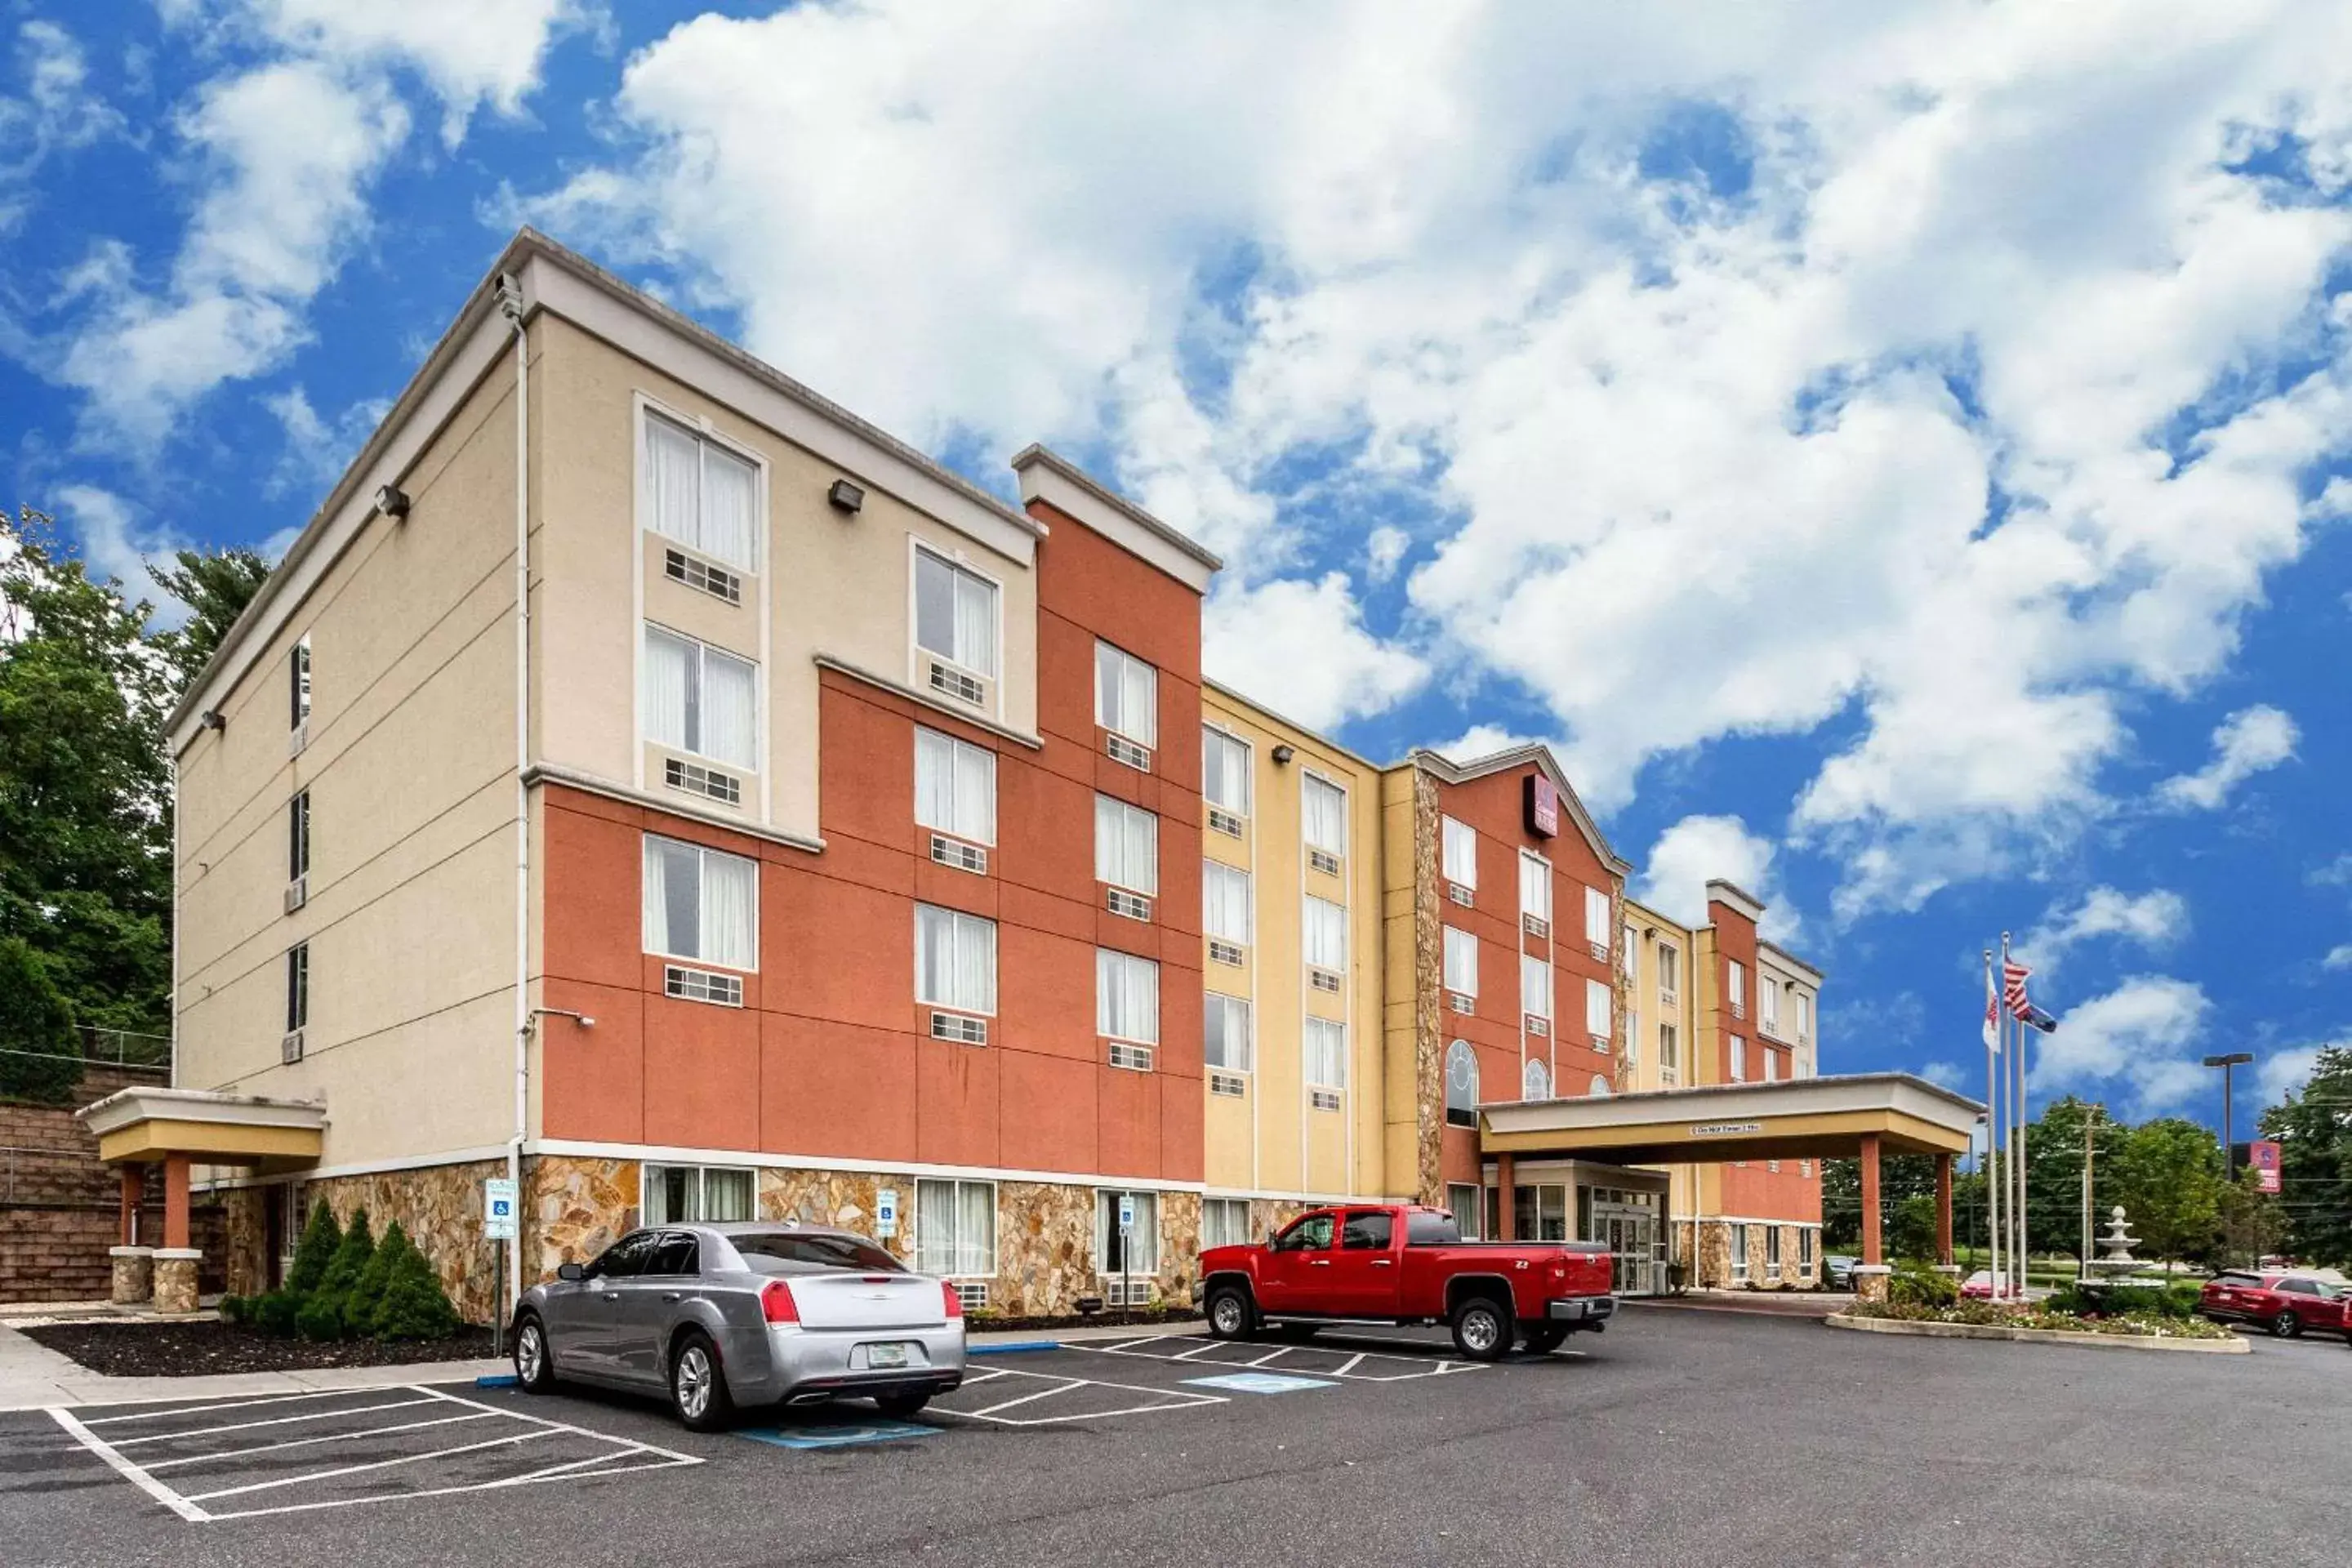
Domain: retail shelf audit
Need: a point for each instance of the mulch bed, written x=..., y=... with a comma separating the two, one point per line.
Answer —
x=197, y=1347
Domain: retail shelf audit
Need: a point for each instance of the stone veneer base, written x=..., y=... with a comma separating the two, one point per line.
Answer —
x=2233, y=1345
x=133, y=1270
x=175, y=1279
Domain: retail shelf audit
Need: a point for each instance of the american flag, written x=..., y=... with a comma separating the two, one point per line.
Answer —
x=2012, y=986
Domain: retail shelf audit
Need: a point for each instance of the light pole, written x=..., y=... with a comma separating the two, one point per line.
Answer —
x=2227, y=1063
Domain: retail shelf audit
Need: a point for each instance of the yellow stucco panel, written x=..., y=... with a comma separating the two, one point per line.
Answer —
x=221, y=1143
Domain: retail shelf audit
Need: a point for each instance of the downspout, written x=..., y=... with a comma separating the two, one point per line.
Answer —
x=511, y=303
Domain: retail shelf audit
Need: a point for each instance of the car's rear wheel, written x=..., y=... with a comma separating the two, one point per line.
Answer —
x=2286, y=1325
x=1230, y=1316
x=899, y=1406
x=698, y=1385
x=1482, y=1328
x=534, y=1368
x=1546, y=1340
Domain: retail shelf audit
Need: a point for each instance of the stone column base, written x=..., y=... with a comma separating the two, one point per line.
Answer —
x=1870, y=1281
x=134, y=1274
x=175, y=1279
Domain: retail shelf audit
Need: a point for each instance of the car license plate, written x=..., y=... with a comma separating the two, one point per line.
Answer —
x=886, y=1355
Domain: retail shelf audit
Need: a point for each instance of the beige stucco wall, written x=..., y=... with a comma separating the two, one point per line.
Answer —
x=410, y=766
x=826, y=583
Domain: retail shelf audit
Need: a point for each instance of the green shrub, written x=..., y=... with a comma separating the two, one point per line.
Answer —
x=276, y=1312
x=40, y=1050
x=1916, y=1285
x=320, y=1237
x=413, y=1305
x=236, y=1308
x=367, y=1290
x=323, y=1314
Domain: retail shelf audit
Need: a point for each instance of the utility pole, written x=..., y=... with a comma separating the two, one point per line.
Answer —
x=2090, y=1152
x=2227, y=1063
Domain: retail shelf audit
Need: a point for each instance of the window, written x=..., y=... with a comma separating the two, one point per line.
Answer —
x=696, y=1195
x=1136, y=1252
x=1772, y=1252
x=1628, y=955
x=1126, y=696
x=1461, y=852
x=1632, y=1036
x=1323, y=1042
x=700, y=493
x=1772, y=1063
x=955, y=786
x=1804, y=1004
x=955, y=614
x=1535, y=987
x=1738, y=1059
x=1599, y=919
x=1224, y=1222
x=1768, y=1000
x=1535, y=887
x=298, y=670
x=1224, y=772
x=1225, y=902
x=1461, y=1085
x=701, y=700
x=1462, y=1199
x=1669, y=969
x=1325, y=935
x=1738, y=984
x=1367, y=1231
x=701, y=904
x=1740, y=1250
x=1127, y=846
x=1804, y=1252
x=1323, y=814
x=1535, y=1081
x=955, y=1230
x=1461, y=962
x=1127, y=998
x=298, y=838
x=625, y=1258
x=955, y=960
x=1596, y=1008
x=1669, y=1057
x=1226, y=1027
x=775, y=1252
x=1309, y=1234
x=1599, y=1088
x=675, y=1252
x=298, y=987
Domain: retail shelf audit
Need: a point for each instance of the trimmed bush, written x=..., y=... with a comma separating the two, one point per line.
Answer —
x=367, y=1290
x=234, y=1309
x=321, y=1317
x=320, y=1237
x=276, y=1312
x=1916, y=1285
x=412, y=1306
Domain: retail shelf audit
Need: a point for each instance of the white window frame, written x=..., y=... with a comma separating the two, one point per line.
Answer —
x=1633, y=1046
x=1535, y=987
x=1107, y=1224
x=917, y=651
x=1476, y=1228
x=1669, y=963
x=1459, y=852
x=1456, y=1052
x=1461, y=962
x=1599, y=1003
x=1669, y=1048
x=1217, y=1005
x=1772, y=1066
x=702, y=653
x=1535, y=886
x=1333, y=1035
x=1110, y=962
x=647, y=1183
x=298, y=987
x=704, y=854
x=1768, y=1004
x=1738, y=982
x=1740, y=1250
x=959, y=928
x=926, y=1250
x=1600, y=916
x=706, y=437
x=1213, y=872
x=1312, y=922
x=1120, y=660
x=959, y=756
x=1804, y=1014
x=298, y=836
x=1534, y=1074
x=300, y=692
x=1739, y=1059
x=1213, y=736
x=1309, y=780
x=1225, y=1209
x=1115, y=822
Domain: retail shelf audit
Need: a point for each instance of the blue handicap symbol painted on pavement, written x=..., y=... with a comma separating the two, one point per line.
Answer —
x=1261, y=1382
x=841, y=1437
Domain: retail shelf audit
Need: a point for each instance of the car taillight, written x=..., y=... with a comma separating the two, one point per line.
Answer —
x=776, y=1303
x=954, y=1302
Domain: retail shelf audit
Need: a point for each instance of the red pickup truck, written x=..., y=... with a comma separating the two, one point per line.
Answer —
x=1405, y=1263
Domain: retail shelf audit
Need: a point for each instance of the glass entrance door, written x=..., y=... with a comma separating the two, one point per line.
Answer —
x=1631, y=1236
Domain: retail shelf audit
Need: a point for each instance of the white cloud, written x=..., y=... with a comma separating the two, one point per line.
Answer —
x=2138, y=1040
x=115, y=542
x=2246, y=743
x=1699, y=849
x=2337, y=873
x=1301, y=648
x=1948, y=1074
x=317, y=448
x=2280, y=1071
x=2339, y=957
x=1384, y=549
x=59, y=112
x=472, y=51
x=1482, y=740
x=2152, y=919
x=1713, y=460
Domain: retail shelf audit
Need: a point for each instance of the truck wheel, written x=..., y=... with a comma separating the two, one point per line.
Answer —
x=1482, y=1328
x=1546, y=1340
x=1230, y=1314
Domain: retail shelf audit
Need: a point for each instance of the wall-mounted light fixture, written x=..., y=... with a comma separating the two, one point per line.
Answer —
x=1284, y=753
x=211, y=718
x=582, y=1019
x=846, y=498
x=392, y=501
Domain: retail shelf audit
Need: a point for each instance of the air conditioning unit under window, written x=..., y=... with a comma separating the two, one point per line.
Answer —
x=1668, y=997
x=1130, y=1292
x=1224, y=822
x=1600, y=950
x=1460, y=894
x=1536, y=926
x=702, y=576
x=1229, y=1084
x=973, y=1294
x=1323, y=860
x=1121, y=749
x=1739, y=1009
x=955, y=683
x=956, y=853
x=1134, y=1057
x=962, y=1028
x=289, y=1048
x=1324, y=1099
x=695, y=779
x=701, y=985
x=298, y=738
x=1323, y=980
x=1538, y=1025
x=1134, y=906
x=297, y=893
x=1225, y=952
x=1600, y=1044
x=1461, y=1002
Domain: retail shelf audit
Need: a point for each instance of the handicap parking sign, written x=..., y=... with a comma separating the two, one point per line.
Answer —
x=499, y=1208
x=1127, y=1210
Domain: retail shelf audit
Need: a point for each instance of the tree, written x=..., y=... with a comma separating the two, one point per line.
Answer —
x=216, y=587
x=40, y=1047
x=1900, y=1176
x=2313, y=1127
x=2253, y=1224
x=2167, y=1176
x=321, y=1238
x=1911, y=1229
x=2053, y=1172
x=323, y=1316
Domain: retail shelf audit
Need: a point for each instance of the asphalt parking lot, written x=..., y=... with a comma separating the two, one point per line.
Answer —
x=1677, y=1437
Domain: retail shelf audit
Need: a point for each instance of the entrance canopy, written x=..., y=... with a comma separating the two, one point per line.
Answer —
x=1816, y=1117
x=198, y=1126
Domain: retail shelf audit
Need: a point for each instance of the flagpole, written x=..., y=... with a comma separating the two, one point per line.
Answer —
x=2017, y=1253
x=1991, y=1168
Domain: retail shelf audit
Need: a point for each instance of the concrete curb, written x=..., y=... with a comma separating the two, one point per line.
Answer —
x=2233, y=1345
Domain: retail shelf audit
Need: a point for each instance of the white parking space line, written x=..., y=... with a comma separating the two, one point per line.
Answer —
x=274, y=1421
x=370, y=1464
x=218, y=1405
x=128, y=1471
x=310, y=1442
x=1161, y=1399
x=1390, y=1368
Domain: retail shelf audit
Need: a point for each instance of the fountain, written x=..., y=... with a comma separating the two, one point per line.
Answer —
x=2116, y=1267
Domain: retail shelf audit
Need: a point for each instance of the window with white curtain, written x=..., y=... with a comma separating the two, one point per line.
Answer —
x=1669, y=1056
x=1127, y=694
x=1772, y=1063
x=1535, y=1080
x=1669, y=967
x=695, y=1194
x=1460, y=843
x=1224, y=772
x=1461, y=962
x=1599, y=918
x=955, y=960
x=1324, y=1042
x=1739, y=1058
x=955, y=613
x=1127, y=846
x=701, y=494
x=1135, y=1253
x=1632, y=1049
x=1768, y=1002
x=955, y=786
x=1596, y=1009
x=1738, y=984
x=1535, y=887
x=1224, y=1222
x=1804, y=1006
x=1226, y=1033
x=1325, y=936
x=701, y=700
x=1127, y=998
x=955, y=1230
x=701, y=904
x=1225, y=902
x=1535, y=985
x=1323, y=814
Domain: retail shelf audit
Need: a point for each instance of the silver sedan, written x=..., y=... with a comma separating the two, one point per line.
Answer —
x=726, y=1315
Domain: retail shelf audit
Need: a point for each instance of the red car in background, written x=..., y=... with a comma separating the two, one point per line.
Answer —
x=2284, y=1304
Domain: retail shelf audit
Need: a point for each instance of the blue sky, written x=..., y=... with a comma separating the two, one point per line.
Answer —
x=1899, y=457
